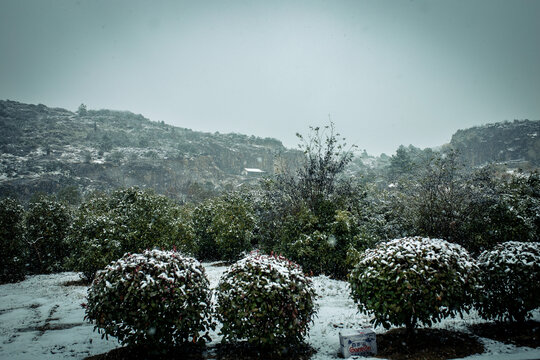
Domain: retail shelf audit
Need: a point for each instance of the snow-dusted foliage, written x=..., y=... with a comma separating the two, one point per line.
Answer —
x=510, y=275
x=128, y=220
x=324, y=251
x=47, y=224
x=157, y=298
x=413, y=280
x=223, y=228
x=265, y=300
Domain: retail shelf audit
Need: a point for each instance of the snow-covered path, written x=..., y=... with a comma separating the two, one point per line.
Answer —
x=41, y=318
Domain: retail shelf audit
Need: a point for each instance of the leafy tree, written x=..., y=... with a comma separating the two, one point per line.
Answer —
x=492, y=217
x=401, y=164
x=12, y=247
x=197, y=192
x=521, y=196
x=223, y=227
x=82, y=110
x=302, y=215
x=69, y=195
x=441, y=200
x=47, y=223
x=318, y=180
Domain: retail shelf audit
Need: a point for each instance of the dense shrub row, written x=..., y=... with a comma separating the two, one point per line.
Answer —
x=32, y=241
x=406, y=281
x=412, y=281
x=49, y=236
x=161, y=299
x=127, y=220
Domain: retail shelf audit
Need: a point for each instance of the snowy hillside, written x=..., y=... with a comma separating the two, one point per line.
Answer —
x=45, y=149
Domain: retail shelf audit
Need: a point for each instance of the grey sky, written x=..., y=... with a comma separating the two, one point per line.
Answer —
x=388, y=72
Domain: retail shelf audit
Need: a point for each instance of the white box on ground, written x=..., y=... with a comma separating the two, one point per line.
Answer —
x=358, y=342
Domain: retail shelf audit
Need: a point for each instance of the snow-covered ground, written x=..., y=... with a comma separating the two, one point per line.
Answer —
x=41, y=318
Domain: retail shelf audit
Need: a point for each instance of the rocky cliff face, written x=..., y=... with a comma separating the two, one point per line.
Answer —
x=508, y=142
x=46, y=149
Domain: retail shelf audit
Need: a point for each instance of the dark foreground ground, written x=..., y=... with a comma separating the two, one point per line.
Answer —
x=426, y=344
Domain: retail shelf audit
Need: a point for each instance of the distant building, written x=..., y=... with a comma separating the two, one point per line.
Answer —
x=251, y=172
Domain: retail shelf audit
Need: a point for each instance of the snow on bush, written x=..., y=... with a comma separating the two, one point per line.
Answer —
x=128, y=220
x=265, y=300
x=413, y=280
x=157, y=298
x=510, y=276
x=47, y=224
x=223, y=228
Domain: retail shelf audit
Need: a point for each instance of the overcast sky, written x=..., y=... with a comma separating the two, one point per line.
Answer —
x=387, y=72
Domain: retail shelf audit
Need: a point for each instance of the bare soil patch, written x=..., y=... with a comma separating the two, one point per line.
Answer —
x=219, y=352
x=427, y=344
x=519, y=334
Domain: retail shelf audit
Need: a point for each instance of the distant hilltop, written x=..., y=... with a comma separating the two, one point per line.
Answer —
x=515, y=142
x=49, y=149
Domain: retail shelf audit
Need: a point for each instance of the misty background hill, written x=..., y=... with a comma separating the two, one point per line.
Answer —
x=516, y=142
x=50, y=150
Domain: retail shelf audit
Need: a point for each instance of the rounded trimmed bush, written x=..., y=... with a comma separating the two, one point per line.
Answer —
x=413, y=280
x=265, y=300
x=157, y=298
x=510, y=275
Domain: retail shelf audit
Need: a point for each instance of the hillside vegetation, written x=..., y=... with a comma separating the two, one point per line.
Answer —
x=50, y=149
x=53, y=150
